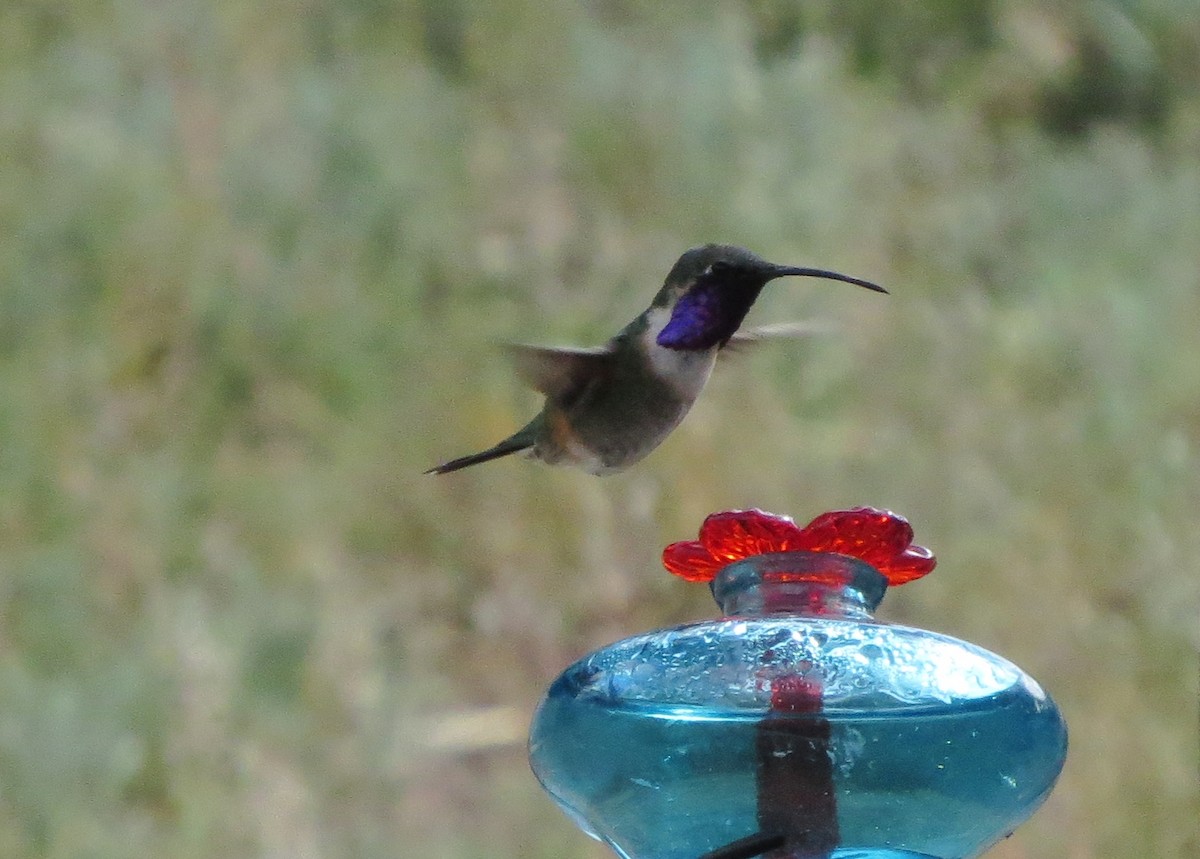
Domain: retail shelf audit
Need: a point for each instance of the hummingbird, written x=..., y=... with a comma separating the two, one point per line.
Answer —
x=608, y=407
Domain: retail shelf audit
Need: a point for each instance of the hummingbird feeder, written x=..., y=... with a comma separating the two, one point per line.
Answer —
x=796, y=726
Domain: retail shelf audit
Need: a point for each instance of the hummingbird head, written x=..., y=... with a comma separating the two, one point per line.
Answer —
x=710, y=289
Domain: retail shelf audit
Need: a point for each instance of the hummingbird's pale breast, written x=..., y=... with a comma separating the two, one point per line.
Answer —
x=686, y=370
x=621, y=418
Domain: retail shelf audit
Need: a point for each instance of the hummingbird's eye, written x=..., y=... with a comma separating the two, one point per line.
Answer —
x=719, y=267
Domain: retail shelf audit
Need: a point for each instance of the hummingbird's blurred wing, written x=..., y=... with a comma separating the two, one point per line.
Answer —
x=559, y=372
x=749, y=337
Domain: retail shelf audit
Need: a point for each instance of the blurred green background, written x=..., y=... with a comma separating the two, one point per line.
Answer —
x=254, y=259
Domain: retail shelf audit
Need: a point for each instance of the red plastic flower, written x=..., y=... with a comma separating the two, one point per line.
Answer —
x=880, y=537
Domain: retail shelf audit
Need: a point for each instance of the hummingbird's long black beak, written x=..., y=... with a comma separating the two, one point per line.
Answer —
x=793, y=271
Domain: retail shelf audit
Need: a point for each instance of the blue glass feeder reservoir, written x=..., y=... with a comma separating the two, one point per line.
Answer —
x=796, y=725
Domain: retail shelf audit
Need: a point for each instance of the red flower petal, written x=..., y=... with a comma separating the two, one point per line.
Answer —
x=737, y=534
x=874, y=536
x=912, y=563
x=880, y=537
x=691, y=561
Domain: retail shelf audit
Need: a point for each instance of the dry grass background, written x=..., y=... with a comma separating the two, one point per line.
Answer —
x=253, y=257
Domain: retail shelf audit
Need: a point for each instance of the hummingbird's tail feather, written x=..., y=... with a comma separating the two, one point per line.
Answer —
x=514, y=444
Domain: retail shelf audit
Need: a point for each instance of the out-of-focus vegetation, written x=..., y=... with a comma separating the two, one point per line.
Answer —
x=253, y=259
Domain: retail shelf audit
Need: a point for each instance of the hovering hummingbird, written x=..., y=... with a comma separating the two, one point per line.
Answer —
x=608, y=407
